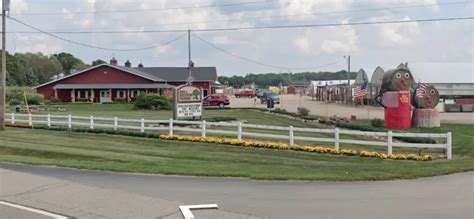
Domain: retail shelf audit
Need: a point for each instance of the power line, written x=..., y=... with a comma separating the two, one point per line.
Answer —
x=151, y=9
x=254, y=27
x=97, y=47
x=283, y=16
x=257, y=62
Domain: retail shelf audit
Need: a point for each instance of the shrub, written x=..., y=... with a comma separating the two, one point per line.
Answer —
x=280, y=111
x=55, y=100
x=377, y=122
x=34, y=99
x=16, y=96
x=302, y=111
x=152, y=101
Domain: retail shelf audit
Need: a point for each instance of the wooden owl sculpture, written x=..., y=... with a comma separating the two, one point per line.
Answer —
x=425, y=97
x=399, y=79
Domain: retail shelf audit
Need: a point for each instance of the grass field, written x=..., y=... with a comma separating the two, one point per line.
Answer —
x=131, y=154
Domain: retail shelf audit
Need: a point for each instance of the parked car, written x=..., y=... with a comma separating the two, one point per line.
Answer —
x=270, y=96
x=246, y=93
x=216, y=100
x=260, y=93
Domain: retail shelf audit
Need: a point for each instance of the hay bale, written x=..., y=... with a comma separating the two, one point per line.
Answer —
x=427, y=118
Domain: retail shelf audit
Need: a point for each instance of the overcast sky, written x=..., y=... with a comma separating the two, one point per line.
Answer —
x=436, y=51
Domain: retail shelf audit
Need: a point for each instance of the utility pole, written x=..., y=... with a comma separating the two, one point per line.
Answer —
x=5, y=8
x=190, y=63
x=348, y=70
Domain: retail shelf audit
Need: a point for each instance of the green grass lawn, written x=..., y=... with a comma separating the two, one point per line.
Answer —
x=132, y=154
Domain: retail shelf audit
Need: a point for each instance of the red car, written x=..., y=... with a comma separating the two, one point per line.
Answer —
x=246, y=93
x=216, y=100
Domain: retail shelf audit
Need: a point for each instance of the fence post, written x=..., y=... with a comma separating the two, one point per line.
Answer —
x=142, y=125
x=203, y=128
x=115, y=123
x=69, y=121
x=13, y=119
x=389, y=142
x=239, y=131
x=48, y=118
x=292, y=140
x=449, y=146
x=171, y=127
x=336, y=138
x=92, y=122
x=30, y=119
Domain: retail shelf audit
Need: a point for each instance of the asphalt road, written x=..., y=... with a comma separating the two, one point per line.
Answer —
x=448, y=196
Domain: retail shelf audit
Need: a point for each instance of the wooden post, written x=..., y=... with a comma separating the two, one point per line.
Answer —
x=203, y=128
x=115, y=123
x=30, y=119
x=91, y=96
x=128, y=96
x=292, y=140
x=336, y=138
x=69, y=121
x=389, y=142
x=142, y=125
x=73, y=95
x=239, y=131
x=13, y=119
x=449, y=146
x=49, y=120
x=171, y=127
x=92, y=122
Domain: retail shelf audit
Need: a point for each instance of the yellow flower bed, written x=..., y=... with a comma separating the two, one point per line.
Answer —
x=285, y=146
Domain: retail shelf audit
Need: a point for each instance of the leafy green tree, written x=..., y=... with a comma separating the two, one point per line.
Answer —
x=98, y=62
x=68, y=62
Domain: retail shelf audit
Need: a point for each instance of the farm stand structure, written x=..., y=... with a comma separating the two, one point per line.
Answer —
x=113, y=83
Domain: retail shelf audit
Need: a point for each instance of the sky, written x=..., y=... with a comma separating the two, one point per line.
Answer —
x=439, y=51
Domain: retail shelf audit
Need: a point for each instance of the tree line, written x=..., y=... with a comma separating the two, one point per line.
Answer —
x=274, y=79
x=30, y=69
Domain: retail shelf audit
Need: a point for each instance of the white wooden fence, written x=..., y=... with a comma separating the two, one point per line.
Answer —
x=203, y=127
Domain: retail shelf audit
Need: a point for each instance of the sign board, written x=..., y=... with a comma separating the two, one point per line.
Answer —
x=188, y=102
x=189, y=109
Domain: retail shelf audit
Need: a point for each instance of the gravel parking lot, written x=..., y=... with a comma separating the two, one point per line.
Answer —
x=292, y=102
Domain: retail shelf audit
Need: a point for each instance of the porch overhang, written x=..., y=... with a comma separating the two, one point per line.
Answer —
x=111, y=86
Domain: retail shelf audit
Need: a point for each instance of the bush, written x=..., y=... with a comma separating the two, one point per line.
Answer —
x=34, y=99
x=17, y=97
x=377, y=123
x=55, y=100
x=152, y=101
x=303, y=111
x=280, y=111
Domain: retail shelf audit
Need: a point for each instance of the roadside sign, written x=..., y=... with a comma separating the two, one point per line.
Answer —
x=188, y=102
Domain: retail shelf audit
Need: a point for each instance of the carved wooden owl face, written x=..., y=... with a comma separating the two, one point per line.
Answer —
x=428, y=99
x=397, y=80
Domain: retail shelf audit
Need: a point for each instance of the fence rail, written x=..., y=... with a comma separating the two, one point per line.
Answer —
x=203, y=127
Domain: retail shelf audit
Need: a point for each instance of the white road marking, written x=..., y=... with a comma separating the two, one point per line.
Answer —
x=186, y=209
x=34, y=210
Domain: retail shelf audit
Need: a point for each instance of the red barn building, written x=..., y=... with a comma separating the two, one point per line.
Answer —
x=113, y=83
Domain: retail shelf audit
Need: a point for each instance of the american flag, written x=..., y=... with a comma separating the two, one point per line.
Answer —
x=421, y=89
x=361, y=91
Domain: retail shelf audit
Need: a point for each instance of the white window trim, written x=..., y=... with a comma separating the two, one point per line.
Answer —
x=121, y=94
x=134, y=93
x=80, y=96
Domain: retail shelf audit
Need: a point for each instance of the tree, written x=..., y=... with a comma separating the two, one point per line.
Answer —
x=98, y=62
x=68, y=61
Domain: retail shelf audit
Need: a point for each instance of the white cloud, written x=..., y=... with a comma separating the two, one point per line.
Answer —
x=329, y=40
